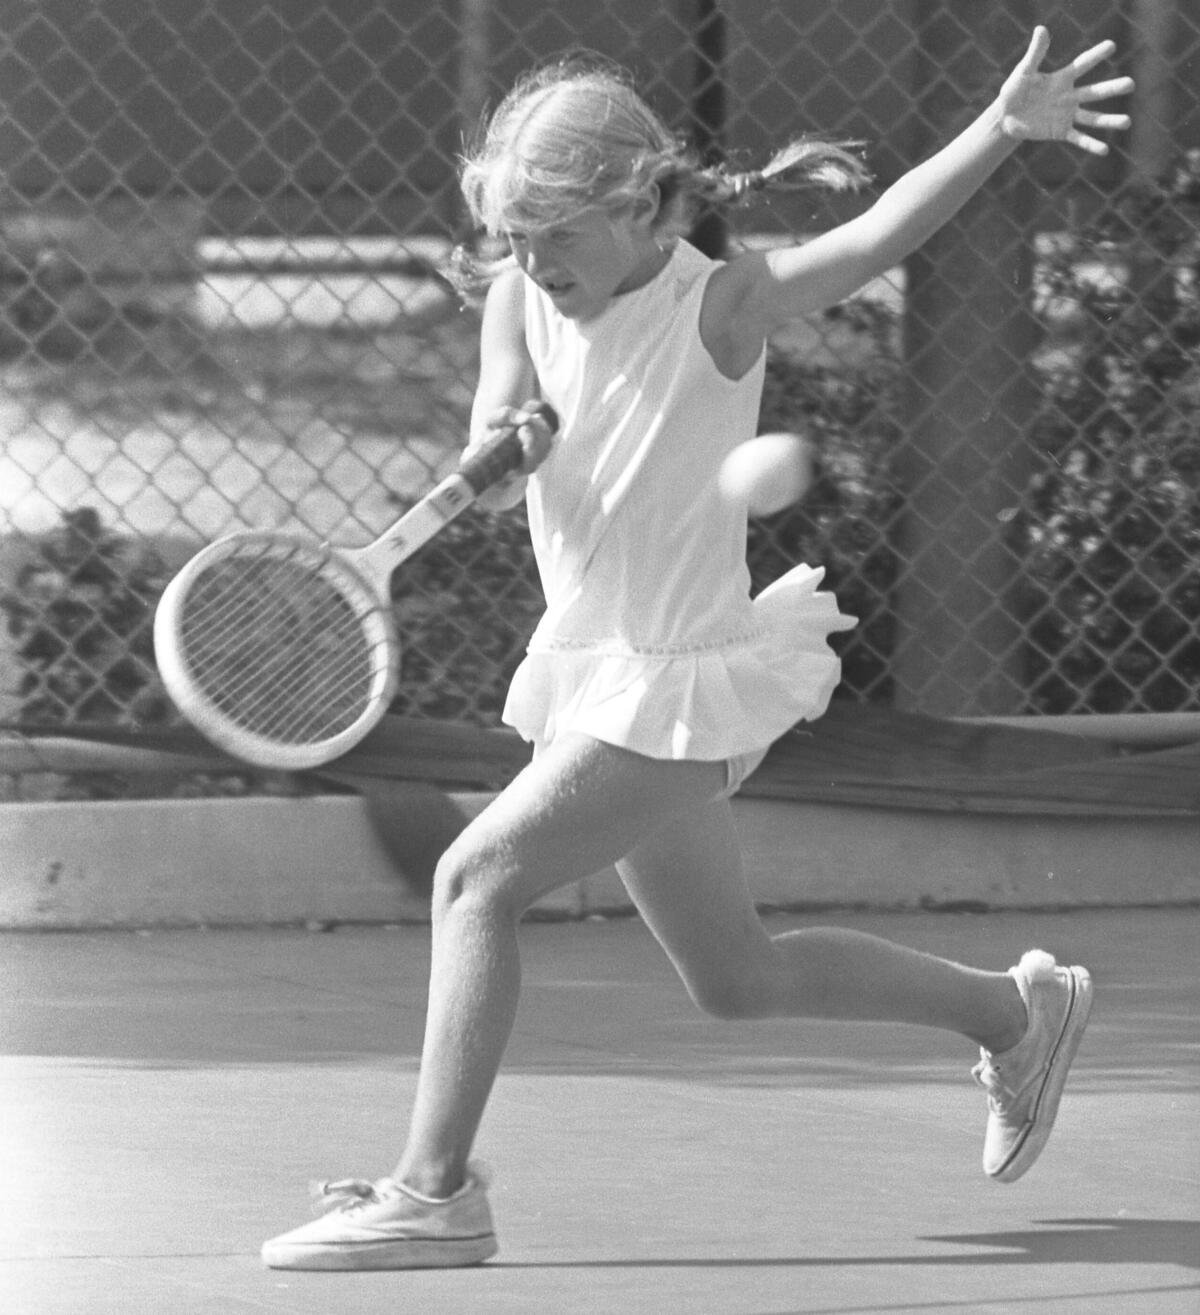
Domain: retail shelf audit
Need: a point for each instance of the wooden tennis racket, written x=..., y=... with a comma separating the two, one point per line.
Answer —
x=284, y=652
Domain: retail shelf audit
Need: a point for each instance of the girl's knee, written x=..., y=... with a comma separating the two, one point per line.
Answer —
x=731, y=996
x=474, y=876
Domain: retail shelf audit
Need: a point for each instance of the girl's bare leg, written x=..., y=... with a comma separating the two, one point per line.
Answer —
x=574, y=811
x=688, y=884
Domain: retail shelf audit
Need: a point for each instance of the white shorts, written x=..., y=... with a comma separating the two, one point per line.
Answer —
x=738, y=768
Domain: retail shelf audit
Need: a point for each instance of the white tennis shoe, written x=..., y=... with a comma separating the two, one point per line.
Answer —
x=1025, y=1084
x=384, y=1225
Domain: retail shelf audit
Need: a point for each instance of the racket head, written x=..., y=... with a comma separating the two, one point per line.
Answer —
x=276, y=649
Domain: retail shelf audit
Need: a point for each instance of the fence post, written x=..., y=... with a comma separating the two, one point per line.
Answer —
x=474, y=63
x=968, y=339
x=1154, y=26
x=707, y=112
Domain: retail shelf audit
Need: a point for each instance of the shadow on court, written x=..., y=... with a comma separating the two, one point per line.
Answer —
x=1050, y=1242
x=1090, y=1242
x=165, y=1099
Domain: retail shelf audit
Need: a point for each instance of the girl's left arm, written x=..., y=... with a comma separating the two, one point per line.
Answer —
x=766, y=290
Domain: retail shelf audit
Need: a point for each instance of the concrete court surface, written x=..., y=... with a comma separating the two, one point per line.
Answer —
x=165, y=1098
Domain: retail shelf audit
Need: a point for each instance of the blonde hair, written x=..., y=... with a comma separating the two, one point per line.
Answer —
x=576, y=134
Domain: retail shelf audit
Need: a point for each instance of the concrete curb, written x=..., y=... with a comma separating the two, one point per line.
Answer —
x=318, y=860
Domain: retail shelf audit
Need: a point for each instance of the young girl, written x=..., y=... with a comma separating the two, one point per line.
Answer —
x=654, y=684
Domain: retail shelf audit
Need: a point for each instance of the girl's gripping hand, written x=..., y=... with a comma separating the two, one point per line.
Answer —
x=537, y=442
x=1037, y=106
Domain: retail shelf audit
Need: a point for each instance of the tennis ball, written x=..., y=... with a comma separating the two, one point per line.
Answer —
x=767, y=473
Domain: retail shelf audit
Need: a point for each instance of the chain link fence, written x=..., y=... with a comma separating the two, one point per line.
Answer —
x=220, y=234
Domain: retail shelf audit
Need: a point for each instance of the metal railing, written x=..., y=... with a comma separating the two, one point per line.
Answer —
x=220, y=232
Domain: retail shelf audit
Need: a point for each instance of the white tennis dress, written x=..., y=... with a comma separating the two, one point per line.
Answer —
x=650, y=639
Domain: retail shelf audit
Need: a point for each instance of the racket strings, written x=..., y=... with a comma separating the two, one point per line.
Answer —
x=278, y=647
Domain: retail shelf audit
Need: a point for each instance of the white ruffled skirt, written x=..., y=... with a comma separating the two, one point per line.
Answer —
x=708, y=704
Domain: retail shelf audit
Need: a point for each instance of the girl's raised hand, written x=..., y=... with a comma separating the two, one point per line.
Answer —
x=1039, y=106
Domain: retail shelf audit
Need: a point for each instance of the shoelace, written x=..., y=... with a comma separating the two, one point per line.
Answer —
x=344, y=1194
x=991, y=1080
x=349, y=1194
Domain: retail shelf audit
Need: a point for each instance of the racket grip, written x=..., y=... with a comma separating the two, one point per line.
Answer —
x=502, y=455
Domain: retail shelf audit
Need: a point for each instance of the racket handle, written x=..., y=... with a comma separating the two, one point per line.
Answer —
x=502, y=455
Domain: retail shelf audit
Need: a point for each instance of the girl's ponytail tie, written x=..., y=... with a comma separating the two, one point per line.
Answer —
x=754, y=180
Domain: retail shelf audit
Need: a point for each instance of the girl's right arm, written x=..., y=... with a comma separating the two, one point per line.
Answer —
x=507, y=384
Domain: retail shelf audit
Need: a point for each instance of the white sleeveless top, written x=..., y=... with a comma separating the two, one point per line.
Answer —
x=650, y=639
